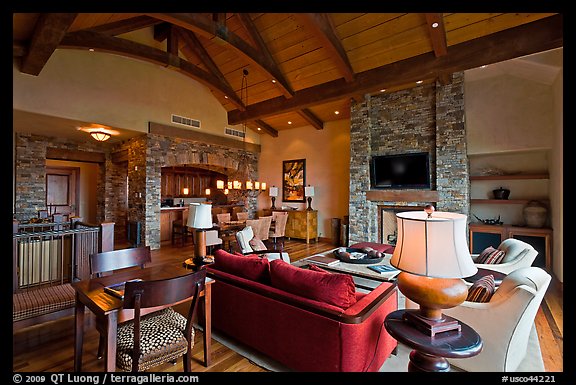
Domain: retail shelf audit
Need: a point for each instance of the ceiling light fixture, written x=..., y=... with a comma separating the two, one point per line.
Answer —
x=100, y=136
x=419, y=81
x=434, y=25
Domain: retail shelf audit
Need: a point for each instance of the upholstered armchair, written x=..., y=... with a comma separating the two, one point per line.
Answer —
x=249, y=244
x=504, y=322
x=517, y=254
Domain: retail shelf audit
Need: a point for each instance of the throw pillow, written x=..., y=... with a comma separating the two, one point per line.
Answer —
x=334, y=289
x=316, y=268
x=256, y=244
x=482, y=290
x=249, y=267
x=490, y=255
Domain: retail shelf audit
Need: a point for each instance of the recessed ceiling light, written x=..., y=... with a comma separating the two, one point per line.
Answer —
x=273, y=80
x=289, y=122
x=434, y=25
x=483, y=66
x=225, y=96
x=258, y=128
x=383, y=89
x=336, y=112
x=419, y=81
x=91, y=49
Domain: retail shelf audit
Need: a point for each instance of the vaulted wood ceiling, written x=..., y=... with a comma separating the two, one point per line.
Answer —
x=269, y=69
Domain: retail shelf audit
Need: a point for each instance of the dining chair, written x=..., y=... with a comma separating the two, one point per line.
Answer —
x=223, y=217
x=264, y=231
x=164, y=335
x=279, y=230
x=242, y=215
x=106, y=263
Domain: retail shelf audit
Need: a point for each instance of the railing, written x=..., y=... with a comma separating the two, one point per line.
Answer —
x=55, y=256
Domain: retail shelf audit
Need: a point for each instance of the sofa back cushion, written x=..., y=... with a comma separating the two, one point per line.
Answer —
x=334, y=289
x=249, y=267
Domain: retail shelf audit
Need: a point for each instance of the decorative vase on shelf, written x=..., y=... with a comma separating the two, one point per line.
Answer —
x=535, y=214
x=501, y=193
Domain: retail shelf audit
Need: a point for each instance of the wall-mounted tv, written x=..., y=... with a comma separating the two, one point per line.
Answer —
x=410, y=170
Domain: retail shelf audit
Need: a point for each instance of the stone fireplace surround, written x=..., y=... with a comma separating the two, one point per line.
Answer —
x=425, y=118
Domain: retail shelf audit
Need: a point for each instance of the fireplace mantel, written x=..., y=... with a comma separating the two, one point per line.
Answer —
x=402, y=195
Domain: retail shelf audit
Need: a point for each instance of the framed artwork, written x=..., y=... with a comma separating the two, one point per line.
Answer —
x=293, y=180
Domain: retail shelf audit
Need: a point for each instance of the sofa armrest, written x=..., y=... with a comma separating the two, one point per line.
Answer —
x=371, y=301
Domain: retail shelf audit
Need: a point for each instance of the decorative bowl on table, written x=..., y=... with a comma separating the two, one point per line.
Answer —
x=365, y=255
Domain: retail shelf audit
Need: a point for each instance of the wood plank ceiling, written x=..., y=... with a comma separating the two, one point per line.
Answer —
x=276, y=71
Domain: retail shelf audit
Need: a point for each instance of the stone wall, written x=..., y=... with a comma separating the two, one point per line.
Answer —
x=428, y=118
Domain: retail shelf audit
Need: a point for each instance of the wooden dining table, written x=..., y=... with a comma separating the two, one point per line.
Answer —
x=108, y=309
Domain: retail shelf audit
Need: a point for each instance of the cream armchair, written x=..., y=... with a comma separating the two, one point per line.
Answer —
x=517, y=254
x=246, y=235
x=504, y=323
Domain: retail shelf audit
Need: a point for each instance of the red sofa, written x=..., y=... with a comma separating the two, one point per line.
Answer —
x=309, y=321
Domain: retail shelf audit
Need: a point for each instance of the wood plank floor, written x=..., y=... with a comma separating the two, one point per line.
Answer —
x=49, y=347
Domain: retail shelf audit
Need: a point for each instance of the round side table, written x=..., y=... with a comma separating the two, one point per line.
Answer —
x=430, y=353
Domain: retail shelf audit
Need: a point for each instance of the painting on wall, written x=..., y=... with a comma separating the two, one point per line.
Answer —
x=293, y=180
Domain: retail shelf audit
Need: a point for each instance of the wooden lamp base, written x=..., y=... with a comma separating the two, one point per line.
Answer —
x=433, y=295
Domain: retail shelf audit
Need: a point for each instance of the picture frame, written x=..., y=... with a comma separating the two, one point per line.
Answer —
x=293, y=180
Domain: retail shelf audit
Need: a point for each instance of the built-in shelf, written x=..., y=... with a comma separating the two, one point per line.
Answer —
x=509, y=176
x=505, y=201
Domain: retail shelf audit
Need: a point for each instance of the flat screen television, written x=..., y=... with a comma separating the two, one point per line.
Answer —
x=410, y=170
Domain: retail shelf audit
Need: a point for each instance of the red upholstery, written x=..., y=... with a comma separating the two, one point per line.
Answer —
x=251, y=267
x=302, y=333
x=335, y=289
x=381, y=247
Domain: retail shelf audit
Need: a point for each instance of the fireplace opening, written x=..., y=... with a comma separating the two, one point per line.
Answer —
x=388, y=229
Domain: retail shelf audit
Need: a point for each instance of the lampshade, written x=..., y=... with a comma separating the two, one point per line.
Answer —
x=200, y=216
x=309, y=191
x=433, y=246
x=273, y=191
x=100, y=136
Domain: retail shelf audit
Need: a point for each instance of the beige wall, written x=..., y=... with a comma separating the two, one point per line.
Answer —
x=117, y=91
x=327, y=154
x=515, y=124
x=88, y=177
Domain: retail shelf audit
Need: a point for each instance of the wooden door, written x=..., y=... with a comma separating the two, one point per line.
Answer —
x=62, y=185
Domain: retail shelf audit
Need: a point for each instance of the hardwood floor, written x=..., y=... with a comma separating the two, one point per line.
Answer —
x=49, y=347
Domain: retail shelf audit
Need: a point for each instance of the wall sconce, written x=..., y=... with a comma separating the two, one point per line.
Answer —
x=309, y=192
x=185, y=191
x=220, y=184
x=100, y=136
x=226, y=191
x=273, y=194
x=207, y=191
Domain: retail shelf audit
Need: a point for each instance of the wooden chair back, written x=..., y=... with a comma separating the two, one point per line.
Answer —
x=139, y=295
x=280, y=224
x=119, y=259
x=242, y=215
x=264, y=230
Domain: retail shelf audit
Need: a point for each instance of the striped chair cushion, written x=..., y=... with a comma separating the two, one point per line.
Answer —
x=36, y=302
x=161, y=340
x=491, y=255
x=482, y=290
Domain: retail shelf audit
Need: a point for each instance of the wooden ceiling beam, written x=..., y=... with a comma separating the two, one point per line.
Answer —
x=48, y=32
x=311, y=118
x=323, y=28
x=124, y=47
x=172, y=41
x=193, y=45
x=124, y=26
x=204, y=26
x=435, y=24
x=266, y=128
x=542, y=35
x=161, y=31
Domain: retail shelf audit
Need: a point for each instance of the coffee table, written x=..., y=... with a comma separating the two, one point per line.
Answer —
x=363, y=277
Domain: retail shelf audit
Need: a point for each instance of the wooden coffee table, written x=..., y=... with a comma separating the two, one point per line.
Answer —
x=363, y=277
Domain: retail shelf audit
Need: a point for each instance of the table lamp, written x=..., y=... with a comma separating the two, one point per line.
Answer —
x=273, y=194
x=432, y=253
x=309, y=192
x=200, y=219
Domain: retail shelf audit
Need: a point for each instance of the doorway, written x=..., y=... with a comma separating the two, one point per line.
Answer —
x=62, y=185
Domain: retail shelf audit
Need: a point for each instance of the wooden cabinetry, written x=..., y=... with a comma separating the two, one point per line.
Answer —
x=302, y=224
x=482, y=236
x=167, y=217
x=175, y=179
